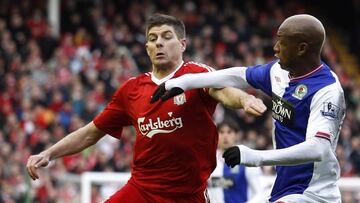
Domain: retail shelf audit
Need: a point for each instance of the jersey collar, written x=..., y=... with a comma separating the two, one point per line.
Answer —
x=307, y=75
x=159, y=81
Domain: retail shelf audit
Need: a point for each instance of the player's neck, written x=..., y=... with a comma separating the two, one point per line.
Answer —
x=163, y=71
x=304, y=68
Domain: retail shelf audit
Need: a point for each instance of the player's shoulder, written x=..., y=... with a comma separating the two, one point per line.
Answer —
x=133, y=82
x=196, y=67
x=332, y=89
x=130, y=82
x=144, y=77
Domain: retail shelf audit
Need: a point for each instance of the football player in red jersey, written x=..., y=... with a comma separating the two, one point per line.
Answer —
x=176, y=140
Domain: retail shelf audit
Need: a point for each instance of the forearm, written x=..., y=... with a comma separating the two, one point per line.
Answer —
x=311, y=150
x=229, y=97
x=231, y=77
x=75, y=142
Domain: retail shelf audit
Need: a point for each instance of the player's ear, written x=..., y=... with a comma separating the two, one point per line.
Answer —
x=146, y=47
x=302, y=48
x=183, y=44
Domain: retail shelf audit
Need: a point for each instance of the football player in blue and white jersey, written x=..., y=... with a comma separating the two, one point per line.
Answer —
x=308, y=108
x=239, y=184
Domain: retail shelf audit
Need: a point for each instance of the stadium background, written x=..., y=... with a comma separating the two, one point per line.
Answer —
x=53, y=83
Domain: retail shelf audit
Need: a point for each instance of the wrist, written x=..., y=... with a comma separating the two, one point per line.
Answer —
x=173, y=83
x=249, y=157
x=46, y=154
x=169, y=84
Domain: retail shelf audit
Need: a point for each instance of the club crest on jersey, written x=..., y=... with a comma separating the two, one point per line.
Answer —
x=180, y=99
x=300, y=91
x=331, y=111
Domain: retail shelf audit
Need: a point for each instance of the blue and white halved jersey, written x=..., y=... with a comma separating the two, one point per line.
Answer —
x=309, y=106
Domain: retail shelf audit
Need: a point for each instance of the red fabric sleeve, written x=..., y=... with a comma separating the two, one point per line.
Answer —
x=114, y=117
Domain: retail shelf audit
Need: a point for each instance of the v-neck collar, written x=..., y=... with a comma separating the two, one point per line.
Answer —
x=159, y=81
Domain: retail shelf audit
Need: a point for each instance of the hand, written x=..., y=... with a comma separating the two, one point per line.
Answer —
x=36, y=161
x=162, y=93
x=232, y=156
x=253, y=106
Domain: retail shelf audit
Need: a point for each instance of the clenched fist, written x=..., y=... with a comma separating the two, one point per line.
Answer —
x=232, y=156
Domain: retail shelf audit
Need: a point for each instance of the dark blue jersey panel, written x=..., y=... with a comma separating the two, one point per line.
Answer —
x=259, y=77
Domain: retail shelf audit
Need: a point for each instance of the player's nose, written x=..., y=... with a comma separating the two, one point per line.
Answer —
x=159, y=42
x=276, y=47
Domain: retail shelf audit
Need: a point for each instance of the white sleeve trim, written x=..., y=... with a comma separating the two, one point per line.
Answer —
x=230, y=77
x=311, y=150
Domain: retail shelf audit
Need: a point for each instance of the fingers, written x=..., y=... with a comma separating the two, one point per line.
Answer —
x=232, y=156
x=171, y=93
x=31, y=169
x=255, y=107
x=32, y=172
x=252, y=111
x=35, y=162
x=41, y=163
x=159, y=92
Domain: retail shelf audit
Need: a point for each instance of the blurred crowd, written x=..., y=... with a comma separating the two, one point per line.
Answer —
x=52, y=84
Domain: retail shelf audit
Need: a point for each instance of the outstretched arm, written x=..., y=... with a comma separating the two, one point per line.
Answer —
x=311, y=150
x=230, y=77
x=71, y=144
x=236, y=98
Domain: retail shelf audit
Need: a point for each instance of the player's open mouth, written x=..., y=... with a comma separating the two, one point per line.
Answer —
x=160, y=55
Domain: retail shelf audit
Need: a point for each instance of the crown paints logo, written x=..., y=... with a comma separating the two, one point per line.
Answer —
x=282, y=110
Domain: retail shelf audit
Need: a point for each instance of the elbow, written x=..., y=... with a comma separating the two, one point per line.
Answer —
x=92, y=135
x=318, y=157
x=320, y=152
x=316, y=149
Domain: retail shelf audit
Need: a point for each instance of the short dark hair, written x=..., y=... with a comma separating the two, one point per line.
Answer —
x=161, y=19
x=230, y=123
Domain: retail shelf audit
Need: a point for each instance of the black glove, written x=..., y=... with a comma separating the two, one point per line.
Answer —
x=232, y=156
x=161, y=92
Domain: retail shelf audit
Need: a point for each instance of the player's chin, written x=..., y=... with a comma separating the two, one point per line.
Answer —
x=226, y=146
x=162, y=64
x=281, y=63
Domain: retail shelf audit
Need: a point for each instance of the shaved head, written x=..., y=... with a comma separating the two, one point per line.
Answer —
x=305, y=28
x=300, y=39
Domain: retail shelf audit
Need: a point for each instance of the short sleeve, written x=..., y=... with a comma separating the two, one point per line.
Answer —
x=112, y=119
x=259, y=77
x=327, y=112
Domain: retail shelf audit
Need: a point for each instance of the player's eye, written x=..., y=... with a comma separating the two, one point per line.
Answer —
x=151, y=38
x=168, y=36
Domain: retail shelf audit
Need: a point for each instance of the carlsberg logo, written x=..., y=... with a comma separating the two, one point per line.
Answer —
x=157, y=125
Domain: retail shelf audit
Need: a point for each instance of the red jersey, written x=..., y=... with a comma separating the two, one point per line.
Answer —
x=176, y=140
